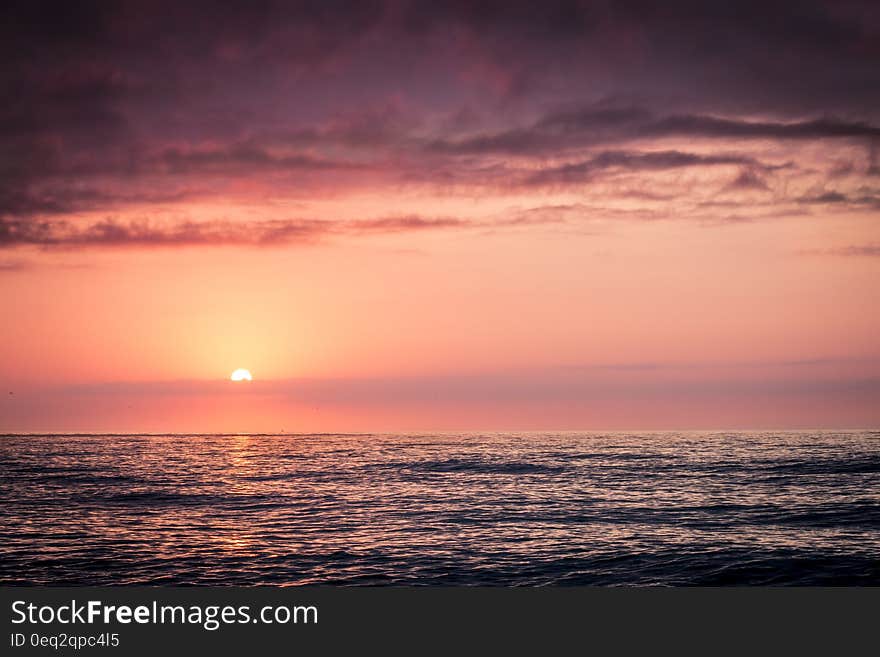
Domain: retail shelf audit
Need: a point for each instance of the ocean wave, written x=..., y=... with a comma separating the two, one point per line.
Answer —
x=528, y=510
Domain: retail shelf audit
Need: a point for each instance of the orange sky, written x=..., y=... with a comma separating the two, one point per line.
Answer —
x=595, y=317
x=475, y=241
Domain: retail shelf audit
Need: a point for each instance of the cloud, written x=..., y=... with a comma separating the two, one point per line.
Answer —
x=244, y=157
x=858, y=251
x=8, y=266
x=825, y=197
x=404, y=224
x=109, y=233
x=591, y=126
x=873, y=158
x=140, y=107
x=113, y=233
x=715, y=127
x=855, y=201
x=632, y=161
x=748, y=178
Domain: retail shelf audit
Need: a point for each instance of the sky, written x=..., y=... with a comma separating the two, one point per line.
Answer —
x=439, y=216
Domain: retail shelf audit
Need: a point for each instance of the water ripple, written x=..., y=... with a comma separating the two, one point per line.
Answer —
x=490, y=509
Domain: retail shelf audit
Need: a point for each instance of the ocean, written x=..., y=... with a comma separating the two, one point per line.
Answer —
x=531, y=509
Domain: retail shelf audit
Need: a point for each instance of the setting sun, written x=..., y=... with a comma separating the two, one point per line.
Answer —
x=241, y=375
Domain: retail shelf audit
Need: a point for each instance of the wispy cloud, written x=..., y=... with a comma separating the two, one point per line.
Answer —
x=7, y=266
x=593, y=126
x=109, y=233
x=857, y=251
x=839, y=198
x=632, y=161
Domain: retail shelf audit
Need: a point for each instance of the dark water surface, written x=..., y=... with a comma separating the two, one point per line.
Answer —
x=492, y=509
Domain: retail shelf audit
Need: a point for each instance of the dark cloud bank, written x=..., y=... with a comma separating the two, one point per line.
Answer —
x=109, y=105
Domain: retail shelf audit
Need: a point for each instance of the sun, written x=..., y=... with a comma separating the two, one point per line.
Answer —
x=241, y=375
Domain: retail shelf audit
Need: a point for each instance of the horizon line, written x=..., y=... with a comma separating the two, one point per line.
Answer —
x=4, y=434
